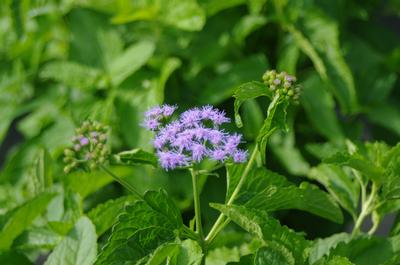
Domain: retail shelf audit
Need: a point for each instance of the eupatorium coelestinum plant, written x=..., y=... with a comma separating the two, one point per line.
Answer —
x=151, y=230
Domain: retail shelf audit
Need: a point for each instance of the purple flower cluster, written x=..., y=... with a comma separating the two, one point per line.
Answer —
x=194, y=136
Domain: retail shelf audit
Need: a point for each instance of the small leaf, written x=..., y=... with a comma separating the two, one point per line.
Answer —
x=37, y=238
x=79, y=247
x=136, y=156
x=250, y=90
x=275, y=255
x=323, y=246
x=21, y=217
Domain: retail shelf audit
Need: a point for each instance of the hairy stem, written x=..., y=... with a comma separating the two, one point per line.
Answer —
x=196, y=199
x=221, y=222
x=121, y=181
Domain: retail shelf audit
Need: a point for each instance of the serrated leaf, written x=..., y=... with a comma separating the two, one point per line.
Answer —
x=335, y=260
x=136, y=156
x=250, y=90
x=270, y=191
x=323, y=246
x=141, y=229
x=20, y=218
x=267, y=228
x=274, y=254
x=79, y=247
x=106, y=214
x=306, y=198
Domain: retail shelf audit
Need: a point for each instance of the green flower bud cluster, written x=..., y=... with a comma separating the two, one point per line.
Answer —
x=89, y=149
x=282, y=84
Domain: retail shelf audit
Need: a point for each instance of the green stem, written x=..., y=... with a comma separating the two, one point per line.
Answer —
x=366, y=209
x=121, y=181
x=221, y=222
x=196, y=198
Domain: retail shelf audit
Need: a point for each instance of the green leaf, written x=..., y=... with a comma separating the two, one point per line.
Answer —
x=13, y=258
x=320, y=108
x=184, y=15
x=334, y=260
x=106, y=214
x=386, y=115
x=275, y=255
x=247, y=91
x=37, y=238
x=189, y=253
x=307, y=197
x=43, y=176
x=247, y=25
x=323, y=246
x=224, y=85
x=135, y=157
x=223, y=255
x=261, y=225
x=366, y=250
x=288, y=56
x=320, y=41
x=72, y=74
x=212, y=7
x=130, y=61
x=79, y=247
x=358, y=162
x=21, y=217
x=339, y=184
x=141, y=229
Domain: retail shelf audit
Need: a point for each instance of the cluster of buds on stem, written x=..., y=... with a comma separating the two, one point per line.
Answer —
x=89, y=149
x=282, y=84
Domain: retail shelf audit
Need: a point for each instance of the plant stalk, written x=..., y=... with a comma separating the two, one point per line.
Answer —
x=221, y=222
x=121, y=181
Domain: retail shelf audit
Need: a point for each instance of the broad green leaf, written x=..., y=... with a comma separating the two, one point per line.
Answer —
x=163, y=254
x=222, y=255
x=247, y=91
x=274, y=254
x=340, y=185
x=261, y=225
x=130, y=61
x=189, y=253
x=323, y=246
x=391, y=185
x=136, y=156
x=244, y=260
x=79, y=247
x=320, y=109
x=20, y=218
x=37, y=238
x=106, y=214
x=141, y=229
x=13, y=258
x=72, y=74
x=306, y=198
x=224, y=85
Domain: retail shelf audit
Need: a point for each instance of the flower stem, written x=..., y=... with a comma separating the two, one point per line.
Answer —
x=221, y=221
x=366, y=209
x=196, y=198
x=121, y=181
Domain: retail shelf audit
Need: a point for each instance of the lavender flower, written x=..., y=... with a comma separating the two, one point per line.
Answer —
x=194, y=136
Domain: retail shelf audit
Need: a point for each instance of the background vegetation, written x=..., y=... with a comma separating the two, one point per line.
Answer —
x=63, y=61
